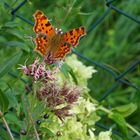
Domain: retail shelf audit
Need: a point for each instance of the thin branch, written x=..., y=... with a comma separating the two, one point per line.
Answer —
x=69, y=11
x=133, y=129
x=30, y=116
x=7, y=126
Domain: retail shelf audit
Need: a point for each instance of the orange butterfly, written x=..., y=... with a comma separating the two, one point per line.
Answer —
x=49, y=41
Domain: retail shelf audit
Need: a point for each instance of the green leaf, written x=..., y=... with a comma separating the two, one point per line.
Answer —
x=3, y=102
x=24, y=104
x=12, y=98
x=66, y=69
x=11, y=24
x=14, y=44
x=17, y=44
x=47, y=132
x=120, y=121
x=3, y=134
x=24, y=137
x=12, y=119
x=6, y=66
x=73, y=76
x=126, y=110
x=38, y=109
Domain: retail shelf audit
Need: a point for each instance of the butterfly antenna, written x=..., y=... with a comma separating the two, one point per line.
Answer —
x=31, y=38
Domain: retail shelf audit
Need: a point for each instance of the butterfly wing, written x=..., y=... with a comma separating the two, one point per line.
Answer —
x=42, y=44
x=42, y=24
x=74, y=35
x=62, y=50
x=69, y=38
x=44, y=31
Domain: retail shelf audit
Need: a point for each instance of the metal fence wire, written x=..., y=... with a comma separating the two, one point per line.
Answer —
x=118, y=79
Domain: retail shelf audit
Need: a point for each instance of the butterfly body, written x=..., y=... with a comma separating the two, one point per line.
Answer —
x=49, y=41
x=56, y=40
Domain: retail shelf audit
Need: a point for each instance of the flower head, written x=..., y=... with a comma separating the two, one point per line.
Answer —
x=38, y=71
x=58, y=98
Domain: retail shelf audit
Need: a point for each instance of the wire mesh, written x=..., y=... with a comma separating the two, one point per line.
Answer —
x=118, y=79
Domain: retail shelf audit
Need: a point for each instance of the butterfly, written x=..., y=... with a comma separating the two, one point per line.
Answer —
x=50, y=41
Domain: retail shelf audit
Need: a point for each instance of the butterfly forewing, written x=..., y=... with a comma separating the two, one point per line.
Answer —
x=45, y=31
x=43, y=25
x=74, y=35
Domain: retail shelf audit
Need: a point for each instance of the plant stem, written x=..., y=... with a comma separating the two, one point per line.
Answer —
x=30, y=116
x=128, y=125
x=104, y=109
x=7, y=126
x=133, y=129
x=69, y=10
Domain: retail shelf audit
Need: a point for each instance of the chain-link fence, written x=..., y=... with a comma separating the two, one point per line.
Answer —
x=118, y=78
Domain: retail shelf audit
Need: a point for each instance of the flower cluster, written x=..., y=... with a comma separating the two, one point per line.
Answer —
x=82, y=72
x=59, y=98
x=38, y=71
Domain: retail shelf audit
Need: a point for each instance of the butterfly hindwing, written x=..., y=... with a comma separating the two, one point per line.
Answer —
x=63, y=49
x=74, y=35
x=41, y=44
x=43, y=25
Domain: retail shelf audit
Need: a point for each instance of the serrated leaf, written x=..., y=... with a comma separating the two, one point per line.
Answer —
x=17, y=44
x=73, y=76
x=66, y=69
x=12, y=98
x=14, y=43
x=6, y=66
x=12, y=118
x=120, y=121
x=3, y=134
x=47, y=131
x=24, y=104
x=3, y=102
x=24, y=137
x=126, y=110
x=38, y=109
x=11, y=24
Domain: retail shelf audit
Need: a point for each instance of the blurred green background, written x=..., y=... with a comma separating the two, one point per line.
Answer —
x=115, y=43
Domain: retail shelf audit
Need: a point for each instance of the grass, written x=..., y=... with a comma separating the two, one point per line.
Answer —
x=114, y=43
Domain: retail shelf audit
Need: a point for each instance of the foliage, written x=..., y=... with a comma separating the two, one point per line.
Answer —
x=114, y=43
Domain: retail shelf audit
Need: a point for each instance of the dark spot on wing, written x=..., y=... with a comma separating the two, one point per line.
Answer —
x=50, y=29
x=47, y=24
x=43, y=18
x=77, y=30
x=65, y=44
x=44, y=37
x=82, y=28
x=71, y=32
